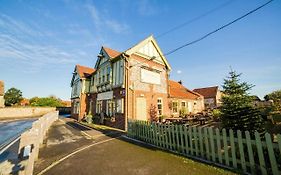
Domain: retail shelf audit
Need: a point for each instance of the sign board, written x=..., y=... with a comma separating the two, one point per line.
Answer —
x=105, y=95
x=148, y=76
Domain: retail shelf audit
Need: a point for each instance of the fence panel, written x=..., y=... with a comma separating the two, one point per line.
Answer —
x=235, y=150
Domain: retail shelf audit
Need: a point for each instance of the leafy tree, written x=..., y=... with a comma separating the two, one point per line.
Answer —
x=276, y=98
x=237, y=110
x=12, y=96
x=153, y=113
x=45, y=101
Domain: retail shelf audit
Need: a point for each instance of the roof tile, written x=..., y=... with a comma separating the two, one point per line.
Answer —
x=177, y=90
x=84, y=71
x=207, y=92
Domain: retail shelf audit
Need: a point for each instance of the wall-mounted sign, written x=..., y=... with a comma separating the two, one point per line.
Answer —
x=148, y=76
x=105, y=95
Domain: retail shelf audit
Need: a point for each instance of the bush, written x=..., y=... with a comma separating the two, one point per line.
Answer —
x=216, y=114
x=89, y=118
x=183, y=112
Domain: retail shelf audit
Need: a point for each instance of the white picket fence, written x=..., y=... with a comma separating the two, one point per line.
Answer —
x=233, y=149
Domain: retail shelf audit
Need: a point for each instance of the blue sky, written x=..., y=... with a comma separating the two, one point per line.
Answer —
x=41, y=41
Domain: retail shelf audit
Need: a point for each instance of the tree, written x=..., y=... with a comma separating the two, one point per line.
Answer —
x=12, y=96
x=237, y=110
x=45, y=101
x=153, y=113
x=276, y=98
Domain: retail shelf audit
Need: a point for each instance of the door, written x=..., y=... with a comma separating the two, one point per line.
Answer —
x=141, y=108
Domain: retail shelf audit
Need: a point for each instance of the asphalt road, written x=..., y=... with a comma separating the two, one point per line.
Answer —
x=10, y=129
x=73, y=149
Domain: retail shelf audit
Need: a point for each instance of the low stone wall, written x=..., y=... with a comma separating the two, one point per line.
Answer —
x=25, y=151
x=24, y=112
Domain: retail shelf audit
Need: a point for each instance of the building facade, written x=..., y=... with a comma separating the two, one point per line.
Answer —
x=133, y=84
x=212, y=96
x=80, y=87
x=130, y=84
x=184, y=101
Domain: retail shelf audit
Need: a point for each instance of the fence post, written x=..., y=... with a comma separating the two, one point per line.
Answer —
x=186, y=140
x=173, y=137
x=190, y=139
x=201, y=141
x=219, y=145
x=232, y=145
x=212, y=144
x=225, y=146
x=241, y=151
x=166, y=136
x=260, y=153
x=196, y=140
x=170, y=136
x=271, y=154
x=250, y=152
x=177, y=139
x=181, y=137
x=206, y=143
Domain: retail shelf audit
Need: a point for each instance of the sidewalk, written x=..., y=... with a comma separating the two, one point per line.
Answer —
x=98, y=153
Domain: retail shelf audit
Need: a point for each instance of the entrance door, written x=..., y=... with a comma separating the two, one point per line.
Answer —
x=141, y=108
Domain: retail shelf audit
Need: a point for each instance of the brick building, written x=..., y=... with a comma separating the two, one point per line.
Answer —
x=212, y=96
x=183, y=100
x=80, y=86
x=127, y=85
x=133, y=84
x=2, y=92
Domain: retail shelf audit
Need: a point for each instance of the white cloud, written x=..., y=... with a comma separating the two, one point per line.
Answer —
x=179, y=71
x=146, y=8
x=117, y=27
x=21, y=42
x=103, y=22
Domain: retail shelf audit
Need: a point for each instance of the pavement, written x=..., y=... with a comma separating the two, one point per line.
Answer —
x=71, y=148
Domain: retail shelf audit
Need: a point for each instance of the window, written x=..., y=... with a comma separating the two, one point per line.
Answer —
x=183, y=104
x=175, y=107
x=108, y=73
x=119, y=105
x=99, y=75
x=99, y=107
x=160, y=106
x=76, y=108
x=103, y=74
x=110, y=107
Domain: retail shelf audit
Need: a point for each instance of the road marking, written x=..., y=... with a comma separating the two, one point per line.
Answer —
x=71, y=154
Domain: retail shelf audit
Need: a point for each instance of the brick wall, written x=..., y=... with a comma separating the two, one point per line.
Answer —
x=21, y=112
x=151, y=92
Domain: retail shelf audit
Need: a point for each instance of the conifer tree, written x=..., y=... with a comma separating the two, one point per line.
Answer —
x=237, y=110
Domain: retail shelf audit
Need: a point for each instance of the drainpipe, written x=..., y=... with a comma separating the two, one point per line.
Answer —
x=126, y=90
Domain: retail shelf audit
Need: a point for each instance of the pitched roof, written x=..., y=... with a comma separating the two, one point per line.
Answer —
x=177, y=90
x=84, y=71
x=144, y=42
x=110, y=52
x=207, y=92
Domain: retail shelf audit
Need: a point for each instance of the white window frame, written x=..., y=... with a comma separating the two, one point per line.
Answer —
x=161, y=109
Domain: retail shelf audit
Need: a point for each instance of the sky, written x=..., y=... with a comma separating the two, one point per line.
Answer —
x=42, y=41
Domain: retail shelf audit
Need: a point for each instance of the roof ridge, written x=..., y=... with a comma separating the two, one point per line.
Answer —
x=207, y=87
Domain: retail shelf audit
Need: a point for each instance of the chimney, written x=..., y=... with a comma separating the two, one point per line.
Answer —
x=180, y=82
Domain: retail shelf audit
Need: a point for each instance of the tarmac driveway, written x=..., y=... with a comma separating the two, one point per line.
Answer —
x=68, y=151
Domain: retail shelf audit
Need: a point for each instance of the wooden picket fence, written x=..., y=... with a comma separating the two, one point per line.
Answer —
x=231, y=149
